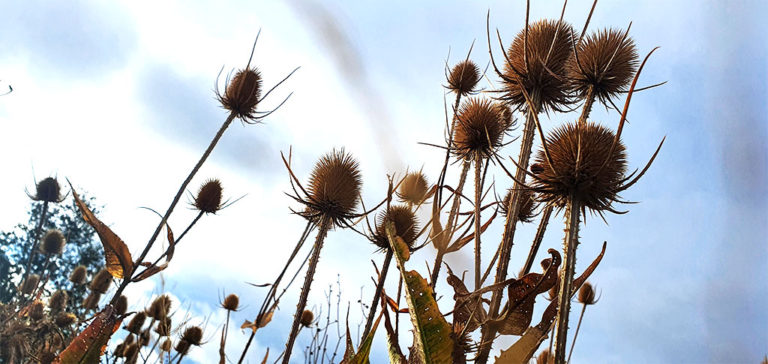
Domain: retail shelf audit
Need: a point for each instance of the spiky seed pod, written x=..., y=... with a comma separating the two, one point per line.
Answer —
x=30, y=283
x=413, y=189
x=131, y=351
x=543, y=75
x=182, y=347
x=166, y=345
x=606, y=62
x=479, y=130
x=193, y=335
x=334, y=187
x=242, y=94
x=581, y=166
x=121, y=306
x=544, y=357
x=587, y=294
x=137, y=322
x=65, y=319
x=163, y=327
x=307, y=317
x=464, y=77
x=37, y=310
x=145, y=337
x=231, y=302
x=527, y=209
x=160, y=307
x=58, y=301
x=53, y=242
x=208, y=198
x=78, y=275
x=48, y=190
x=406, y=225
x=101, y=282
x=92, y=301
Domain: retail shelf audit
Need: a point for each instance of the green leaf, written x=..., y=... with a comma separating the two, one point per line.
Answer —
x=432, y=334
x=361, y=357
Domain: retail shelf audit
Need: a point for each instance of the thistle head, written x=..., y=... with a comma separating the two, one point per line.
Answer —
x=208, y=199
x=231, y=302
x=242, y=93
x=413, y=189
x=587, y=294
x=53, y=242
x=29, y=284
x=603, y=62
x=334, y=188
x=137, y=322
x=101, y=281
x=58, y=301
x=527, y=209
x=404, y=220
x=464, y=77
x=479, y=129
x=47, y=190
x=193, y=335
x=307, y=317
x=78, y=275
x=160, y=307
x=65, y=319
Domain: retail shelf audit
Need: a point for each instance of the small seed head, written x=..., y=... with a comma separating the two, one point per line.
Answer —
x=163, y=327
x=413, y=189
x=65, y=319
x=587, y=294
x=131, y=351
x=37, y=310
x=121, y=306
x=208, y=198
x=78, y=275
x=406, y=225
x=166, y=345
x=307, y=317
x=527, y=209
x=243, y=93
x=479, y=129
x=137, y=321
x=231, y=302
x=29, y=284
x=193, y=335
x=606, y=63
x=48, y=190
x=92, y=301
x=182, y=347
x=464, y=77
x=160, y=307
x=53, y=242
x=334, y=187
x=101, y=282
x=58, y=301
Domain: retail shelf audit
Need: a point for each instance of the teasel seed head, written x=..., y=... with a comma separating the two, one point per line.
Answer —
x=182, y=347
x=78, y=275
x=145, y=337
x=581, y=166
x=193, y=335
x=164, y=327
x=231, y=302
x=527, y=209
x=137, y=322
x=406, y=226
x=307, y=317
x=166, y=345
x=101, y=281
x=37, y=310
x=91, y=302
x=549, y=47
x=30, y=283
x=607, y=61
x=58, y=301
x=413, y=189
x=119, y=351
x=587, y=294
x=464, y=77
x=53, y=242
x=479, y=129
x=208, y=199
x=65, y=319
x=160, y=307
x=121, y=306
x=48, y=190
x=242, y=93
x=131, y=351
x=334, y=187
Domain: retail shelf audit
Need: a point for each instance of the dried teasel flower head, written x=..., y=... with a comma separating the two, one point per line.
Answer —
x=91, y=302
x=605, y=62
x=464, y=77
x=231, y=302
x=479, y=129
x=193, y=335
x=101, y=281
x=406, y=226
x=539, y=69
x=413, y=189
x=587, y=294
x=65, y=319
x=584, y=165
x=307, y=317
x=334, y=188
x=160, y=307
x=166, y=345
x=47, y=190
x=208, y=199
x=30, y=283
x=242, y=93
x=131, y=351
x=37, y=310
x=182, y=347
x=145, y=337
x=163, y=327
x=58, y=301
x=53, y=242
x=78, y=275
x=137, y=322
x=527, y=209
x=121, y=306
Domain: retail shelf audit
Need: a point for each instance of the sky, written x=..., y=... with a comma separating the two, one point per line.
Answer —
x=118, y=97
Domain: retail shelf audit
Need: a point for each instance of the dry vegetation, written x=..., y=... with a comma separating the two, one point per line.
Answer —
x=581, y=166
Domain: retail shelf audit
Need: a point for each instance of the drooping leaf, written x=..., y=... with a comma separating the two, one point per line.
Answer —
x=433, y=342
x=153, y=268
x=361, y=357
x=118, y=258
x=91, y=343
x=393, y=348
x=468, y=311
x=458, y=244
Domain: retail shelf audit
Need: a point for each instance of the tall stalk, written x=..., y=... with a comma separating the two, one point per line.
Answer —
x=545, y=215
x=478, y=197
x=453, y=216
x=377, y=294
x=35, y=237
x=570, y=244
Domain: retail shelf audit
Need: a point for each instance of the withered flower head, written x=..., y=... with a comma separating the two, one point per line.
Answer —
x=464, y=77
x=307, y=317
x=30, y=283
x=193, y=335
x=160, y=307
x=47, y=190
x=581, y=167
x=65, y=319
x=604, y=61
x=58, y=301
x=137, y=322
x=208, y=198
x=479, y=129
x=541, y=69
x=37, y=310
x=121, y=306
x=163, y=327
x=242, y=93
x=145, y=337
x=53, y=242
x=334, y=188
x=231, y=302
x=131, y=351
x=78, y=275
x=101, y=281
x=527, y=209
x=413, y=189
x=92, y=301
x=587, y=294
x=182, y=347
x=406, y=226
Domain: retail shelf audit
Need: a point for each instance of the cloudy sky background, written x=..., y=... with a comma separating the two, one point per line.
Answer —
x=118, y=97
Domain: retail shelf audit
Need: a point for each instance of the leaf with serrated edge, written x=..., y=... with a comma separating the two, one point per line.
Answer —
x=90, y=344
x=432, y=334
x=118, y=258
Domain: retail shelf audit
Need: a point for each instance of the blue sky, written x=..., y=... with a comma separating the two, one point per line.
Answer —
x=118, y=97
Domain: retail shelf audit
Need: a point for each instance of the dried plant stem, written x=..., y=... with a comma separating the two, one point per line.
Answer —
x=478, y=198
x=325, y=225
x=545, y=215
x=441, y=180
x=175, y=201
x=222, y=353
x=453, y=216
x=576, y=334
x=587, y=105
x=566, y=277
x=377, y=294
x=35, y=237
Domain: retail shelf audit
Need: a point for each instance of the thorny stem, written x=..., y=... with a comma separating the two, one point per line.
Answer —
x=566, y=277
x=175, y=201
x=478, y=198
x=453, y=215
x=587, y=105
x=35, y=237
x=537, y=239
x=222, y=353
x=441, y=182
x=377, y=294
x=325, y=225
x=575, y=335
